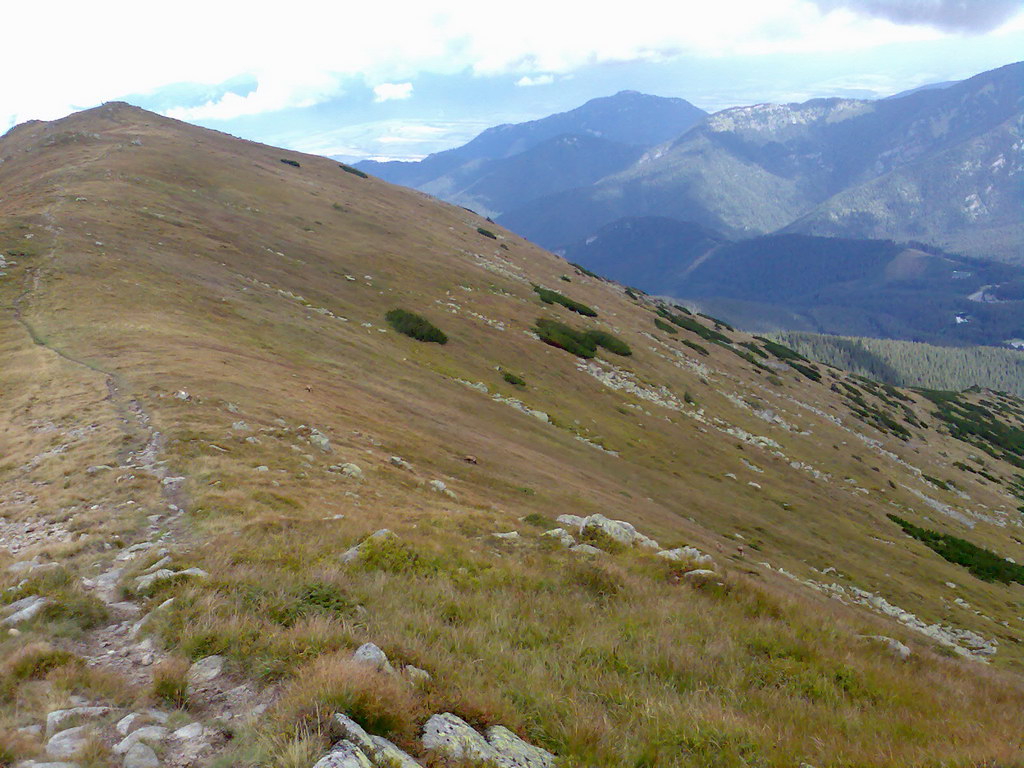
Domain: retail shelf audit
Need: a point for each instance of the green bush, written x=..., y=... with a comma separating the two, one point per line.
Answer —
x=293, y=163
x=612, y=343
x=696, y=347
x=662, y=325
x=416, y=326
x=511, y=378
x=554, y=297
x=562, y=336
x=986, y=565
x=487, y=233
x=353, y=171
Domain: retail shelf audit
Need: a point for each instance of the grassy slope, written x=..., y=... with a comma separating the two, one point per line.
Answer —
x=166, y=257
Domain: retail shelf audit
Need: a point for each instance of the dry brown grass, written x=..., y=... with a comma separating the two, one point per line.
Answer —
x=608, y=662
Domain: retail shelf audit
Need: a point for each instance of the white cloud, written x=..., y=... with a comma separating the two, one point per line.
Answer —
x=526, y=81
x=392, y=91
x=106, y=49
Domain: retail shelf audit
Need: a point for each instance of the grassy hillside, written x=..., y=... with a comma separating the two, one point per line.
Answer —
x=911, y=364
x=205, y=402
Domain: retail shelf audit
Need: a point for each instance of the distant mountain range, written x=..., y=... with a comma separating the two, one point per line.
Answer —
x=802, y=282
x=940, y=165
x=509, y=166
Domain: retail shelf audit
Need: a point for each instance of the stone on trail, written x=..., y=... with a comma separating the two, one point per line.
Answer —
x=141, y=756
x=55, y=720
x=205, y=670
x=149, y=733
x=68, y=742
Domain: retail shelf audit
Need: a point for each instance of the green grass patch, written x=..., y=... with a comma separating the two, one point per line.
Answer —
x=663, y=326
x=353, y=171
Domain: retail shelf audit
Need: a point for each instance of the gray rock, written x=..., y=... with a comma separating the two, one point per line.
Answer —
x=146, y=582
x=453, y=737
x=509, y=536
x=35, y=764
x=189, y=732
x=564, y=537
x=56, y=720
x=240, y=426
x=319, y=439
x=66, y=743
x=165, y=560
x=417, y=675
x=387, y=755
x=141, y=756
x=438, y=485
x=513, y=752
x=354, y=732
x=344, y=754
x=690, y=555
x=149, y=733
x=586, y=549
x=24, y=610
x=368, y=653
x=570, y=521
x=700, y=576
x=205, y=670
x=351, y=470
x=129, y=723
x=399, y=462
x=619, y=530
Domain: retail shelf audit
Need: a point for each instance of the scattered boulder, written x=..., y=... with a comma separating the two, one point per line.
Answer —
x=387, y=754
x=690, y=555
x=149, y=733
x=619, y=530
x=564, y=537
x=129, y=723
x=399, y=462
x=66, y=743
x=344, y=754
x=24, y=610
x=416, y=675
x=56, y=720
x=141, y=756
x=513, y=752
x=205, y=670
x=351, y=470
x=570, y=521
x=319, y=439
x=453, y=737
x=586, y=549
x=354, y=732
x=189, y=732
x=509, y=536
x=368, y=653
x=147, y=581
x=440, y=487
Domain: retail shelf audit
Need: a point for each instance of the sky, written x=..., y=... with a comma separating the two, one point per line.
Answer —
x=398, y=79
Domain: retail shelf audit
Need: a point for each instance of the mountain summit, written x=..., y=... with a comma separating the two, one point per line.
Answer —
x=302, y=468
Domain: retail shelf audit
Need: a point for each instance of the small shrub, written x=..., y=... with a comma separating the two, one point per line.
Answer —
x=540, y=521
x=585, y=271
x=487, y=233
x=415, y=326
x=562, y=336
x=985, y=565
x=566, y=278
x=170, y=682
x=663, y=326
x=695, y=347
x=511, y=378
x=35, y=660
x=293, y=163
x=554, y=297
x=353, y=171
x=612, y=343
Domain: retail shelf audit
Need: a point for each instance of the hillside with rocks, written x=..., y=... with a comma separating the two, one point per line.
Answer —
x=300, y=468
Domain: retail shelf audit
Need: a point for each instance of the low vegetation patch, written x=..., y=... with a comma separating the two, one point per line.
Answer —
x=415, y=326
x=513, y=379
x=663, y=326
x=293, y=163
x=986, y=565
x=580, y=343
x=554, y=297
x=353, y=171
x=487, y=233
